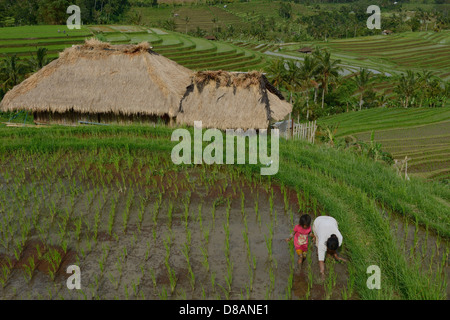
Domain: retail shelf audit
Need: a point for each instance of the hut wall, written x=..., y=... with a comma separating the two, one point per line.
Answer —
x=73, y=118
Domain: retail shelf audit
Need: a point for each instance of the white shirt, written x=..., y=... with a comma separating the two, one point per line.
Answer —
x=323, y=228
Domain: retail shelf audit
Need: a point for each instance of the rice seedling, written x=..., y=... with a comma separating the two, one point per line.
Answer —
x=269, y=242
x=141, y=214
x=112, y=215
x=242, y=203
x=147, y=252
x=163, y=294
x=113, y=280
x=172, y=277
x=205, y=261
x=169, y=215
x=330, y=281
x=185, y=251
x=213, y=281
x=54, y=258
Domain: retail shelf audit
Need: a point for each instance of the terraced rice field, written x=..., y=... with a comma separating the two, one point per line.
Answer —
x=394, y=53
x=26, y=40
x=423, y=135
x=193, y=53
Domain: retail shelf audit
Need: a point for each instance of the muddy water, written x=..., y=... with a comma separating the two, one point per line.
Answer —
x=146, y=260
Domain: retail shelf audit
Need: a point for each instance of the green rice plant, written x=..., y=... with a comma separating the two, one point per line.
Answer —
x=227, y=239
x=112, y=215
x=169, y=215
x=163, y=294
x=125, y=288
x=141, y=214
x=96, y=222
x=330, y=281
x=229, y=275
x=247, y=244
x=258, y=215
x=225, y=292
x=126, y=213
x=147, y=252
x=186, y=214
x=205, y=261
x=185, y=251
x=213, y=281
x=290, y=283
x=269, y=242
x=206, y=235
x=114, y=281
x=53, y=257
x=135, y=286
x=18, y=250
x=172, y=277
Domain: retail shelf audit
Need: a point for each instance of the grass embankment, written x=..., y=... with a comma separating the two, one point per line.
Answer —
x=422, y=134
x=361, y=194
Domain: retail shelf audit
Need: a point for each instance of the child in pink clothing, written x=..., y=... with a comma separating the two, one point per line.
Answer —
x=300, y=235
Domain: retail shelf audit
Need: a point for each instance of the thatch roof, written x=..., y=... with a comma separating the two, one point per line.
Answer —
x=231, y=100
x=97, y=77
x=305, y=50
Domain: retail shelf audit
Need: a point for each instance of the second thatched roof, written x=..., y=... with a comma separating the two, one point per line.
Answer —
x=97, y=77
x=232, y=100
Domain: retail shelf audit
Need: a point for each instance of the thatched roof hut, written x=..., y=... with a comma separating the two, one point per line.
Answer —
x=232, y=100
x=97, y=78
x=305, y=50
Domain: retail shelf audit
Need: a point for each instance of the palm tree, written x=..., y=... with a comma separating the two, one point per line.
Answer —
x=38, y=61
x=276, y=72
x=327, y=69
x=187, y=19
x=362, y=80
x=406, y=86
x=425, y=82
x=307, y=74
x=292, y=80
x=12, y=69
x=214, y=21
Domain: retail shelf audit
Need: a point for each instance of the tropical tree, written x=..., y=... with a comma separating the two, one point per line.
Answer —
x=38, y=61
x=292, y=80
x=362, y=80
x=276, y=72
x=12, y=70
x=307, y=75
x=187, y=19
x=406, y=87
x=327, y=70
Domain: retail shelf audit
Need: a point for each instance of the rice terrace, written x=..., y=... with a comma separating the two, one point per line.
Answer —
x=357, y=122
